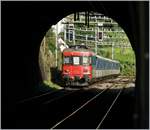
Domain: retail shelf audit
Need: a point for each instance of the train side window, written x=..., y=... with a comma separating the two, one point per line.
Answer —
x=117, y=66
x=97, y=62
x=102, y=64
x=107, y=65
x=111, y=65
x=114, y=65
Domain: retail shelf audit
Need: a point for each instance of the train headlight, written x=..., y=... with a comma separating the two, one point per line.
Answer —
x=66, y=71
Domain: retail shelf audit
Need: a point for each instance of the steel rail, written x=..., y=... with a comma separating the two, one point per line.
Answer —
x=74, y=90
x=58, y=123
x=109, y=109
x=37, y=96
x=47, y=102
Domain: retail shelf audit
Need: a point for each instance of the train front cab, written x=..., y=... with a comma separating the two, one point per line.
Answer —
x=77, y=69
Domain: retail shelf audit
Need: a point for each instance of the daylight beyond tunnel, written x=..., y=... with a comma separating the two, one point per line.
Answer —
x=99, y=33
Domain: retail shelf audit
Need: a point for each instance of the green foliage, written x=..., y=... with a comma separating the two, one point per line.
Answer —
x=51, y=40
x=51, y=85
x=50, y=33
x=104, y=51
x=78, y=32
x=61, y=34
x=47, y=58
x=59, y=55
x=80, y=25
x=126, y=57
x=51, y=46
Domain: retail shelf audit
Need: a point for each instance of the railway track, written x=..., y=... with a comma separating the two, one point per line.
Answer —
x=71, y=108
x=39, y=96
x=120, y=80
x=52, y=111
x=83, y=117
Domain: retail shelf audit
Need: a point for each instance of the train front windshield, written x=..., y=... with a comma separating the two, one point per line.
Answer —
x=86, y=60
x=77, y=60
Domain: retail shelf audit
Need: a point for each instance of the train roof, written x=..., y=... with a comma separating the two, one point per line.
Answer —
x=78, y=46
x=81, y=48
x=107, y=59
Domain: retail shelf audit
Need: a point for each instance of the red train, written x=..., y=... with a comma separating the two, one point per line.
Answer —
x=81, y=66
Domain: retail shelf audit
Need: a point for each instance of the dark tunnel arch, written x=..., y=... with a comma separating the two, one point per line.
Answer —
x=131, y=16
